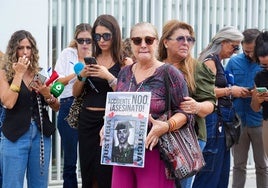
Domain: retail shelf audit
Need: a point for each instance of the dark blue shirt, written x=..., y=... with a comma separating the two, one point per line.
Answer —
x=244, y=72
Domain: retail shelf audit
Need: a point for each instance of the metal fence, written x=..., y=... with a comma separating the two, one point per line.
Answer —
x=206, y=17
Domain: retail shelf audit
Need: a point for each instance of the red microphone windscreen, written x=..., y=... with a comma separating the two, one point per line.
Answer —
x=52, y=78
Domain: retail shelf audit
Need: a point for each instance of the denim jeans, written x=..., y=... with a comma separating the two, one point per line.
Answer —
x=23, y=156
x=69, y=140
x=217, y=157
x=188, y=182
x=2, y=116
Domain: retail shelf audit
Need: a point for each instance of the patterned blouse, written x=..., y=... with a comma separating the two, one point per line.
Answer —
x=156, y=85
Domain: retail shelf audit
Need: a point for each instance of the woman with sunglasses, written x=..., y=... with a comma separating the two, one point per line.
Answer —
x=147, y=74
x=216, y=154
x=175, y=47
x=97, y=80
x=79, y=47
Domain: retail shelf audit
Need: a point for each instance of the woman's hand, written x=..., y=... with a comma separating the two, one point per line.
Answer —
x=190, y=106
x=158, y=129
x=21, y=66
x=99, y=71
x=101, y=136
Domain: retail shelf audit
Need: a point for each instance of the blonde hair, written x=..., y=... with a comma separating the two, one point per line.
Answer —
x=11, y=53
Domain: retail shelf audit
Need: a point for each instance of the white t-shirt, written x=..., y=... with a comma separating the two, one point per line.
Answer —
x=65, y=66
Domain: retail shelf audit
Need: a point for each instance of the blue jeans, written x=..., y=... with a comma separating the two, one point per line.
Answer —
x=188, y=182
x=69, y=140
x=2, y=116
x=217, y=157
x=23, y=156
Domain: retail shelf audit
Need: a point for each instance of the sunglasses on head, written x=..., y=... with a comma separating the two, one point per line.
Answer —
x=138, y=40
x=105, y=36
x=182, y=39
x=82, y=41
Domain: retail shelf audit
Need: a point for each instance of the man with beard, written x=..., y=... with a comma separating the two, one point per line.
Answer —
x=123, y=153
x=244, y=68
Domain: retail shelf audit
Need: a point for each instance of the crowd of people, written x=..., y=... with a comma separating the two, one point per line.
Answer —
x=201, y=88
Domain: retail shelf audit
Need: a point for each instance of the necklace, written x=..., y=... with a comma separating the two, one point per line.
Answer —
x=132, y=79
x=131, y=82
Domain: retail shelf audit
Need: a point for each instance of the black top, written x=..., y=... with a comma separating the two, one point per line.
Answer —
x=261, y=80
x=94, y=99
x=17, y=120
x=220, y=81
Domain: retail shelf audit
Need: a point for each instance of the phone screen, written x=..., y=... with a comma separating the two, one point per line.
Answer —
x=261, y=89
x=90, y=60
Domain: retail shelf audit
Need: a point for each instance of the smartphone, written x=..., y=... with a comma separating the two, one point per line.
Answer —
x=261, y=89
x=39, y=77
x=90, y=60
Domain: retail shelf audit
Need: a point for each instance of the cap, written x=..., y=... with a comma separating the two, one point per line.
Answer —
x=123, y=125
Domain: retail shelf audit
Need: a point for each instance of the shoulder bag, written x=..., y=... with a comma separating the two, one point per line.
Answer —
x=231, y=129
x=180, y=149
x=72, y=117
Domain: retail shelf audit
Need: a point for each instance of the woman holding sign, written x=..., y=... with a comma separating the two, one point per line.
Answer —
x=147, y=74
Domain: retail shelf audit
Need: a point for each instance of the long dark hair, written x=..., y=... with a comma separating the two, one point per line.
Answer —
x=110, y=23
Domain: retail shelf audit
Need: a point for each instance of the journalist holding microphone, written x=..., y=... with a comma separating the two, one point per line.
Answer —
x=26, y=131
x=78, y=48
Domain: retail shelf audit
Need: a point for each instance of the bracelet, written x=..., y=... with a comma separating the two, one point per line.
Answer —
x=171, y=124
x=51, y=100
x=113, y=82
x=80, y=78
x=230, y=91
x=226, y=92
x=14, y=88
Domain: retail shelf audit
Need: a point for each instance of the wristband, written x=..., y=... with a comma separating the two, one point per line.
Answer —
x=14, y=88
x=80, y=78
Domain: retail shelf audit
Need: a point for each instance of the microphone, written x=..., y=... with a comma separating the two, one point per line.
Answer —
x=78, y=67
x=57, y=89
x=52, y=78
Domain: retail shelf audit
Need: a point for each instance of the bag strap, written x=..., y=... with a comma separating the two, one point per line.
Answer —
x=168, y=94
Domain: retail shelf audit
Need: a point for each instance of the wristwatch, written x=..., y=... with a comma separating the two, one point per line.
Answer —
x=80, y=78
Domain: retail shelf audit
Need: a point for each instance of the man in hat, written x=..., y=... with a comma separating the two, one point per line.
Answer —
x=123, y=153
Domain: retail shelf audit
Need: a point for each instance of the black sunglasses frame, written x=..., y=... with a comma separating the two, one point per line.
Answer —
x=106, y=36
x=84, y=40
x=138, y=40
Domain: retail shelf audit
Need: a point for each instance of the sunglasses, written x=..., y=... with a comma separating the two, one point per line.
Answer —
x=182, y=39
x=235, y=47
x=105, y=36
x=138, y=40
x=82, y=41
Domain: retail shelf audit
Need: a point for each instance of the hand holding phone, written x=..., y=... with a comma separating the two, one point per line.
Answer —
x=262, y=89
x=37, y=77
x=90, y=60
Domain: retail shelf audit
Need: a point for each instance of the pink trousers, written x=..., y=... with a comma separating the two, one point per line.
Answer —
x=152, y=175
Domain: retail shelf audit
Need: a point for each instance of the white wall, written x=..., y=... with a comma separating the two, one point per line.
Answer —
x=31, y=15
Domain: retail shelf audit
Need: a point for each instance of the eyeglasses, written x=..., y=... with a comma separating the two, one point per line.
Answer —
x=82, y=41
x=182, y=39
x=138, y=40
x=235, y=47
x=105, y=36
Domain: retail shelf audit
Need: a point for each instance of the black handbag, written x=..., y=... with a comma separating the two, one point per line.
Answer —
x=232, y=129
x=180, y=149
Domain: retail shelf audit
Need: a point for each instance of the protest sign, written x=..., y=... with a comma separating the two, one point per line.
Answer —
x=125, y=128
